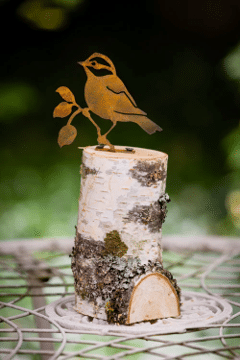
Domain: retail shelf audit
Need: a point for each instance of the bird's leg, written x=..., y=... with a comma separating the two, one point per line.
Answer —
x=104, y=140
x=86, y=113
x=113, y=125
x=101, y=138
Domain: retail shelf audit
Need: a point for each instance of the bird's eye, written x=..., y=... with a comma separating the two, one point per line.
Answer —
x=94, y=63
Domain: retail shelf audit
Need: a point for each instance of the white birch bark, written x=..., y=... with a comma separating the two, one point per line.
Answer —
x=120, y=193
x=114, y=187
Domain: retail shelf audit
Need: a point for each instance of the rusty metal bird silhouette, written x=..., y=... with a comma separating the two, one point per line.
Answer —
x=106, y=96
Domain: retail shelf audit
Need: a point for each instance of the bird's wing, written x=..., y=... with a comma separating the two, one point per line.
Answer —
x=125, y=103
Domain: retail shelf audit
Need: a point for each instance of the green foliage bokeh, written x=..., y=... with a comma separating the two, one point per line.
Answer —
x=191, y=91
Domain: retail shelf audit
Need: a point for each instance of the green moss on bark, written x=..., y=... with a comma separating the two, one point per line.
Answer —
x=114, y=245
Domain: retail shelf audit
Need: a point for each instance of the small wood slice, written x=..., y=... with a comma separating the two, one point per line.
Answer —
x=153, y=298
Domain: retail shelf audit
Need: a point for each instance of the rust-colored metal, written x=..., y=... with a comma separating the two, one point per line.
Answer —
x=107, y=97
x=116, y=150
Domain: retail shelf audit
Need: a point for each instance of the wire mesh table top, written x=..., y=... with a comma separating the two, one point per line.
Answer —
x=35, y=273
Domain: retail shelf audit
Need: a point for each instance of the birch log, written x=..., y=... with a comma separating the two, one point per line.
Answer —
x=117, y=254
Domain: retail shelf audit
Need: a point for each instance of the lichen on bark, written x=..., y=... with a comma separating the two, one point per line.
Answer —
x=85, y=170
x=109, y=277
x=148, y=174
x=152, y=215
x=163, y=201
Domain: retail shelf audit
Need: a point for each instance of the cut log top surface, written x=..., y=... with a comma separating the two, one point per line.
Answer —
x=139, y=154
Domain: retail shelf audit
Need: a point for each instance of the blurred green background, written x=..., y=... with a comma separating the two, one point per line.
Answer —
x=181, y=62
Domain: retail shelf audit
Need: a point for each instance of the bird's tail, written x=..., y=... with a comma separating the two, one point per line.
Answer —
x=146, y=124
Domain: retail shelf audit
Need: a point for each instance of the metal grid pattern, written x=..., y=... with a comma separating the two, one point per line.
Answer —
x=35, y=273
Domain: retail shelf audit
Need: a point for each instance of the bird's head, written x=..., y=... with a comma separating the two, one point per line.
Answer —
x=98, y=62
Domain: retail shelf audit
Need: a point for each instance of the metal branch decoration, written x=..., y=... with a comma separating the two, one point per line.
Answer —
x=106, y=96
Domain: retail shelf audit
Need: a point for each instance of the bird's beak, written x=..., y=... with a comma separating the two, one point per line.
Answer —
x=81, y=63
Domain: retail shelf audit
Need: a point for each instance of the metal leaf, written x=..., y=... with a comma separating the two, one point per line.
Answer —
x=66, y=94
x=62, y=110
x=67, y=135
